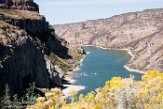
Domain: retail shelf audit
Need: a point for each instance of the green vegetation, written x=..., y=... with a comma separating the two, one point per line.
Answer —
x=6, y=99
x=39, y=43
x=13, y=102
x=56, y=60
x=60, y=62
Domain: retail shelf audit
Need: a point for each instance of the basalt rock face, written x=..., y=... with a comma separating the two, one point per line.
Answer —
x=36, y=26
x=26, y=42
x=30, y=21
x=22, y=63
x=19, y=4
x=141, y=32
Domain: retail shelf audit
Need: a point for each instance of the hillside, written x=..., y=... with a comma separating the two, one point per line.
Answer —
x=30, y=51
x=141, y=32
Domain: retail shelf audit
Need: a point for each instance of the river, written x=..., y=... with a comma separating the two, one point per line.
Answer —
x=100, y=65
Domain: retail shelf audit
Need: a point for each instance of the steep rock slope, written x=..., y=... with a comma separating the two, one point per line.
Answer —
x=141, y=32
x=26, y=44
x=19, y=4
x=21, y=60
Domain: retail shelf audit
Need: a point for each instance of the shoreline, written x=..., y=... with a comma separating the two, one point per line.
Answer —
x=128, y=51
x=133, y=70
x=70, y=86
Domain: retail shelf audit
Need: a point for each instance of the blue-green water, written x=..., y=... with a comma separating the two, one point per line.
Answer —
x=100, y=65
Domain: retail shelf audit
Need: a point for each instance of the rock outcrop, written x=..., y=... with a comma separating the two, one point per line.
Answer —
x=26, y=44
x=19, y=4
x=140, y=32
x=22, y=61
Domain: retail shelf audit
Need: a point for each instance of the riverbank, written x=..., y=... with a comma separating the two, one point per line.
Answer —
x=70, y=80
x=70, y=87
x=128, y=51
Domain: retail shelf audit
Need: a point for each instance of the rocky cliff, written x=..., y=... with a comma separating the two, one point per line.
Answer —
x=30, y=51
x=141, y=32
x=19, y=4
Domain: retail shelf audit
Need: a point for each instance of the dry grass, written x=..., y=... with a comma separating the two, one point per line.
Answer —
x=19, y=14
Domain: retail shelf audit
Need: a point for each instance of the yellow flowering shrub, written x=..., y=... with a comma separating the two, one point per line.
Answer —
x=117, y=93
x=156, y=102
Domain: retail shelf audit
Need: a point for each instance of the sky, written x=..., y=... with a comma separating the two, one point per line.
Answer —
x=68, y=11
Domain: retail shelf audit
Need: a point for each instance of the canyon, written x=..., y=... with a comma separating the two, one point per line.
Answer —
x=140, y=32
x=30, y=51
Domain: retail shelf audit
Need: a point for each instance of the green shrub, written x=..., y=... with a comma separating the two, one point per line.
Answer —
x=13, y=102
x=60, y=62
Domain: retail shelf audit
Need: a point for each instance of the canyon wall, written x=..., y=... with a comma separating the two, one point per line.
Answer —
x=141, y=32
x=19, y=4
x=27, y=44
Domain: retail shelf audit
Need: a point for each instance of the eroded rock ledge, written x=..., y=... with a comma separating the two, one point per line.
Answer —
x=19, y=4
x=141, y=32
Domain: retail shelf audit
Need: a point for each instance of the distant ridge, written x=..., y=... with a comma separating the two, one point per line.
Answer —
x=141, y=32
